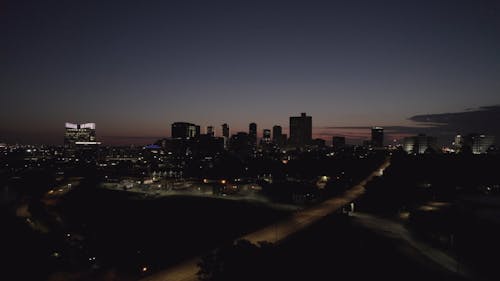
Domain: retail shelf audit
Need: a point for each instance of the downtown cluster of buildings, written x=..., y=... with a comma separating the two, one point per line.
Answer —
x=189, y=137
x=300, y=133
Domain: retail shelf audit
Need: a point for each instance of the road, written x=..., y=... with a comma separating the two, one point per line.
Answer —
x=186, y=271
x=396, y=230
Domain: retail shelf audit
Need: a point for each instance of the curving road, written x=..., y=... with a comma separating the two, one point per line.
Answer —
x=186, y=271
x=396, y=230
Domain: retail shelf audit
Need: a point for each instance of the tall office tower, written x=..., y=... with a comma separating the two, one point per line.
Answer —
x=252, y=133
x=300, y=130
x=210, y=131
x=338, y=143
x=79, y=134
x=277, y=132
x=225, y=130
x=266, y=136
x=458, y=142
x=225, y=134
x=184, y=130
x=378, y=137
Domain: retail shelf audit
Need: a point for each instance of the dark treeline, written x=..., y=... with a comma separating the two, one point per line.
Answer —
x=332, y=249
x=453, y=202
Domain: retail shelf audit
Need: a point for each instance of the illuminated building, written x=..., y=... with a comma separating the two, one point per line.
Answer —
x=184, y=130
x=458, y=143
x=300, y=130
x=79, y=134
x=420, y=144
x=479, y=144
x=377, y=137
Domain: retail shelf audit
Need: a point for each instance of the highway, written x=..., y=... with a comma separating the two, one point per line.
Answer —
x=186, y=271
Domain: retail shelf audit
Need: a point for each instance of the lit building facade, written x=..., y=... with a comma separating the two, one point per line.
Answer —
x=420, y=144
x=79, y=134
x=479, y=143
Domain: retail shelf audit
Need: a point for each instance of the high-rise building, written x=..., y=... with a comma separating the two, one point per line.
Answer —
x=184, y=130
x=479, y=144
x=277, y=132
x=300, y=130
x=458, y=143
x=266, y=136
x=420, y=144
x=80, y=134
x=225, y=130
x=377, y=137
x=210, y=131
x=252, y=133
x=338, y=143
x=241, y=145
x=225, y=134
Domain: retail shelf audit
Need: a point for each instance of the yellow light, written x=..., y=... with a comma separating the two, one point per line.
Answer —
x=284, y=161
x=223, y=181
x=144, y=268
x=205, y=181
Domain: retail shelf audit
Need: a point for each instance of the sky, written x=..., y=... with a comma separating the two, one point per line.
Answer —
x=135, y=67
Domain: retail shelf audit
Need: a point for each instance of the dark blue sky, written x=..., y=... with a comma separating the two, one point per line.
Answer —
x=134, y=67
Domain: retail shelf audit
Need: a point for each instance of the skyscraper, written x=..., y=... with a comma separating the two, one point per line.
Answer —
x=225, y=134
x=300, y=130
x=266, y=136
x=225, y=130
x=210, y=131
x=79, y=134
x=277, y=132
x=458, y=143
x=377, y=137
x=184, y=130
x=252, y=133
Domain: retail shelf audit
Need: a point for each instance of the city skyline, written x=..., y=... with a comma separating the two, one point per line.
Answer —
x=135, y=68
x=433, y=124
